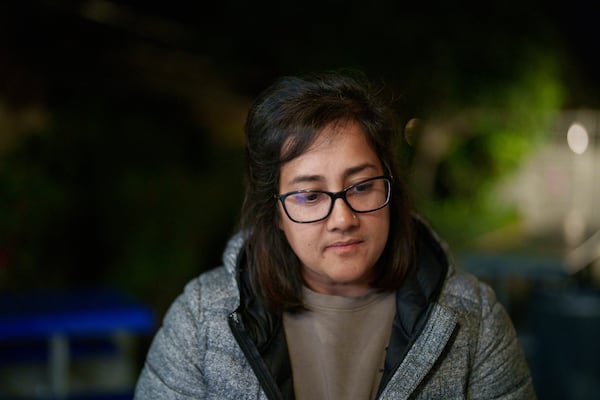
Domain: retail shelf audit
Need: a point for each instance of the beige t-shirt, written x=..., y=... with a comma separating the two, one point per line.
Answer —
x=337, y=348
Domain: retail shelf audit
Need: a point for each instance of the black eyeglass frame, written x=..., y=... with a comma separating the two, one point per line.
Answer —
x=337, y=195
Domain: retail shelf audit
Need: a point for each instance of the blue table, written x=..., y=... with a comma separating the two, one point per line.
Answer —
x=57, y=316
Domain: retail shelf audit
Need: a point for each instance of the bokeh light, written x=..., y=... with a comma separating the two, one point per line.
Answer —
x=577, y=138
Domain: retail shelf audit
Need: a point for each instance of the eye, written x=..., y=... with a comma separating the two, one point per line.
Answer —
x=362, y=187
x=307, y=198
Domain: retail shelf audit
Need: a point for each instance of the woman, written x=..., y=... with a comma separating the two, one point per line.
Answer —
x=334, y=289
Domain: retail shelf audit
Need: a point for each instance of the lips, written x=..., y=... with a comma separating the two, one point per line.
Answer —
x=345, y=244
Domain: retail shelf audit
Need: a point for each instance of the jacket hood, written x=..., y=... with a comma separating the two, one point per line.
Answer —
x=232, y=254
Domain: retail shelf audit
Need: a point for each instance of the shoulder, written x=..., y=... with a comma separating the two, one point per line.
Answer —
x=483, y=320
x=194, y=337
x=215, y=288
x=465, y=293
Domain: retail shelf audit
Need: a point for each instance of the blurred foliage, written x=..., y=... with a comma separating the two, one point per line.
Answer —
x=173, y=224
x=485, y=144
x=115, y=199
x=31, y=202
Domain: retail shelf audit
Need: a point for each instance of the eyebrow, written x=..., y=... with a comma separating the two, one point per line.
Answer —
x=319, y=178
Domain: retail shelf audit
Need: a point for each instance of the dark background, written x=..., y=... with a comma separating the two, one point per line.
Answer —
x=121, y=121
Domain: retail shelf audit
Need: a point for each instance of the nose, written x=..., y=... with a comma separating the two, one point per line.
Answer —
x=342, y=217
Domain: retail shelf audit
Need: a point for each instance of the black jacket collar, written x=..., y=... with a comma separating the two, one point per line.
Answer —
x=415, y=297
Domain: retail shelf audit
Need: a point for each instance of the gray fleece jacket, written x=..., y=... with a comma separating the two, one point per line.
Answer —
x=453, y=340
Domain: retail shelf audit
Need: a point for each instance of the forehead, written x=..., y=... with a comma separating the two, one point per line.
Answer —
x=338, y=148
x=337, y=130
x=341, y=135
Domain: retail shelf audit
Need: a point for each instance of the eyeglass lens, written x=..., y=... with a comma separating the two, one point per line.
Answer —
x=309, y=205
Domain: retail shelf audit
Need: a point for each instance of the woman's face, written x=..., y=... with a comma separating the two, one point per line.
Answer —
x=339, y=253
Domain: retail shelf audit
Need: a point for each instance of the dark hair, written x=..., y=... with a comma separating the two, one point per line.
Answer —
x=293, y=111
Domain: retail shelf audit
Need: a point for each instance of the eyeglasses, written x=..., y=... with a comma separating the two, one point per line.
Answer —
x=306, y=206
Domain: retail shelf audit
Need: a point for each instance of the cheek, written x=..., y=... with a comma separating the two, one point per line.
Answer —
x=382, y=229
x=285, y=225
x=299, y=237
